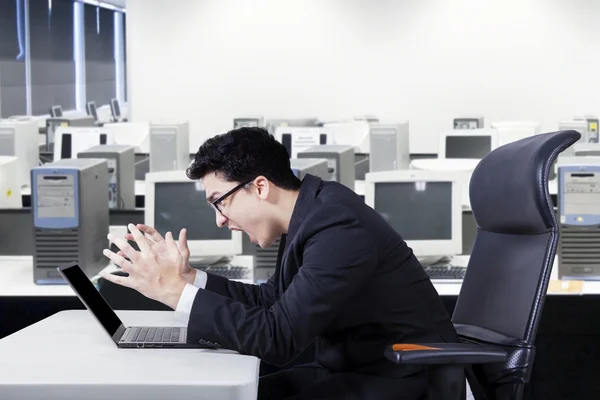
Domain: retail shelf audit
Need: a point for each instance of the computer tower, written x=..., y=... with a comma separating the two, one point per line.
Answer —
x=265, y=261
x=340, y=162
x=53, y=123
x=475, y=122
x=575, y=125
x=578, y=203
x=313, y=166
x=121, y=173
x=70, y=217
x=169, y=147
x=10, y=188
x=389, y=149
x=19, y=138
x=590, y=135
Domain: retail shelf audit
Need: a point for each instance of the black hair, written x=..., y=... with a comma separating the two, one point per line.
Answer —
x=243, y=154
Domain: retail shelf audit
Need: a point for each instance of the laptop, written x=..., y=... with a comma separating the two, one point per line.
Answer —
x=123, y=336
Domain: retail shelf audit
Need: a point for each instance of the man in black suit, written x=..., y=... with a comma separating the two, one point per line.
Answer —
x=344, y=278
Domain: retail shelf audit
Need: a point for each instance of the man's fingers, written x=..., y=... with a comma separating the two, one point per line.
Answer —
x=140, y=239
x=125, y=247
x=172, y=246
x=150, y=231
x=129, y=236
x=118, y=260
x=119, y=280
x=182, y=243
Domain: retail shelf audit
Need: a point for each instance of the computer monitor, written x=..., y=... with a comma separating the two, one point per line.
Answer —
x=372, y=119
x=115, y=109
x=313, y=166
x=70, y=141
x=272, y=124
x=10, y=187
x=468, y=122
x=91, y=110
x=340, y=162
x=467, y=143
x=131, y=133
x=20, y=138
x=53, y=123
x=56, y=111
x=350, y=133
x=511, y=131
x=248, y=122
x=174, y=202
x=296, y=139
x=169, y=146
x=424, y=207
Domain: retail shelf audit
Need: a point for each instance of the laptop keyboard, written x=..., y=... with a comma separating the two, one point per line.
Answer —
x=154, y=335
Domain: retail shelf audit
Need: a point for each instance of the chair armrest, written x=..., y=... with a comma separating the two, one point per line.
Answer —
x=444, y=353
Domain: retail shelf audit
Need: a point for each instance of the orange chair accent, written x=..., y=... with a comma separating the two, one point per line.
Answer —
x=411, y=347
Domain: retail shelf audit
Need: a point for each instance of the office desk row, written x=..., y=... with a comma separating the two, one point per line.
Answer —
x=566, y=364
x=140, y=191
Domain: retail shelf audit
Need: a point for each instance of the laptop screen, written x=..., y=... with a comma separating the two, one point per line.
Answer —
x=91, y=298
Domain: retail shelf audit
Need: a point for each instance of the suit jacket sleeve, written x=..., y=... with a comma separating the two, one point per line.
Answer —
x=337, y=259
x=262, y=295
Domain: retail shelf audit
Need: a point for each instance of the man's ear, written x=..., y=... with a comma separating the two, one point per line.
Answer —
x=262, y=187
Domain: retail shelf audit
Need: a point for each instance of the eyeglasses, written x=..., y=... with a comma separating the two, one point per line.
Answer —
x=215, y=204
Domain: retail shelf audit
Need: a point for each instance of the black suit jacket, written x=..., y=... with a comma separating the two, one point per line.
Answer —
x=344, y=278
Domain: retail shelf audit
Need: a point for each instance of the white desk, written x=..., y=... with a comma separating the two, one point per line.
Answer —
x=69, y=356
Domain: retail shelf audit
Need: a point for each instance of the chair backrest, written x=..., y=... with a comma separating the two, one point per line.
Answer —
x=517, y=234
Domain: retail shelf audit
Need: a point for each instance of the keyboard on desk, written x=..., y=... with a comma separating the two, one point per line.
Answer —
x=445, y=272
x=154, y=335
x=226, y=271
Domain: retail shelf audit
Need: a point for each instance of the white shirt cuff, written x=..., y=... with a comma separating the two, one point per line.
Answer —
x=186, y=300
x=200, y=280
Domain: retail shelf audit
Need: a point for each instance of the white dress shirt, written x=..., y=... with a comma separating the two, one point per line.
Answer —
x=189, y=294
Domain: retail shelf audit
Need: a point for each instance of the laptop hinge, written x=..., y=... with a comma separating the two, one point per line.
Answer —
x=119, y=334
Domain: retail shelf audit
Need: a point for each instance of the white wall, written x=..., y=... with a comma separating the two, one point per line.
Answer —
x=427, y=61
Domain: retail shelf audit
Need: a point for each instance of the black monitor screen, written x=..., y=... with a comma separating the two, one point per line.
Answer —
x=416, y=210
x=468, y=146
x=92, y=299
x=179, y=205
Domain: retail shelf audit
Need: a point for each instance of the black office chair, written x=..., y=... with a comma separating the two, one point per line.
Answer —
x=502, y=296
